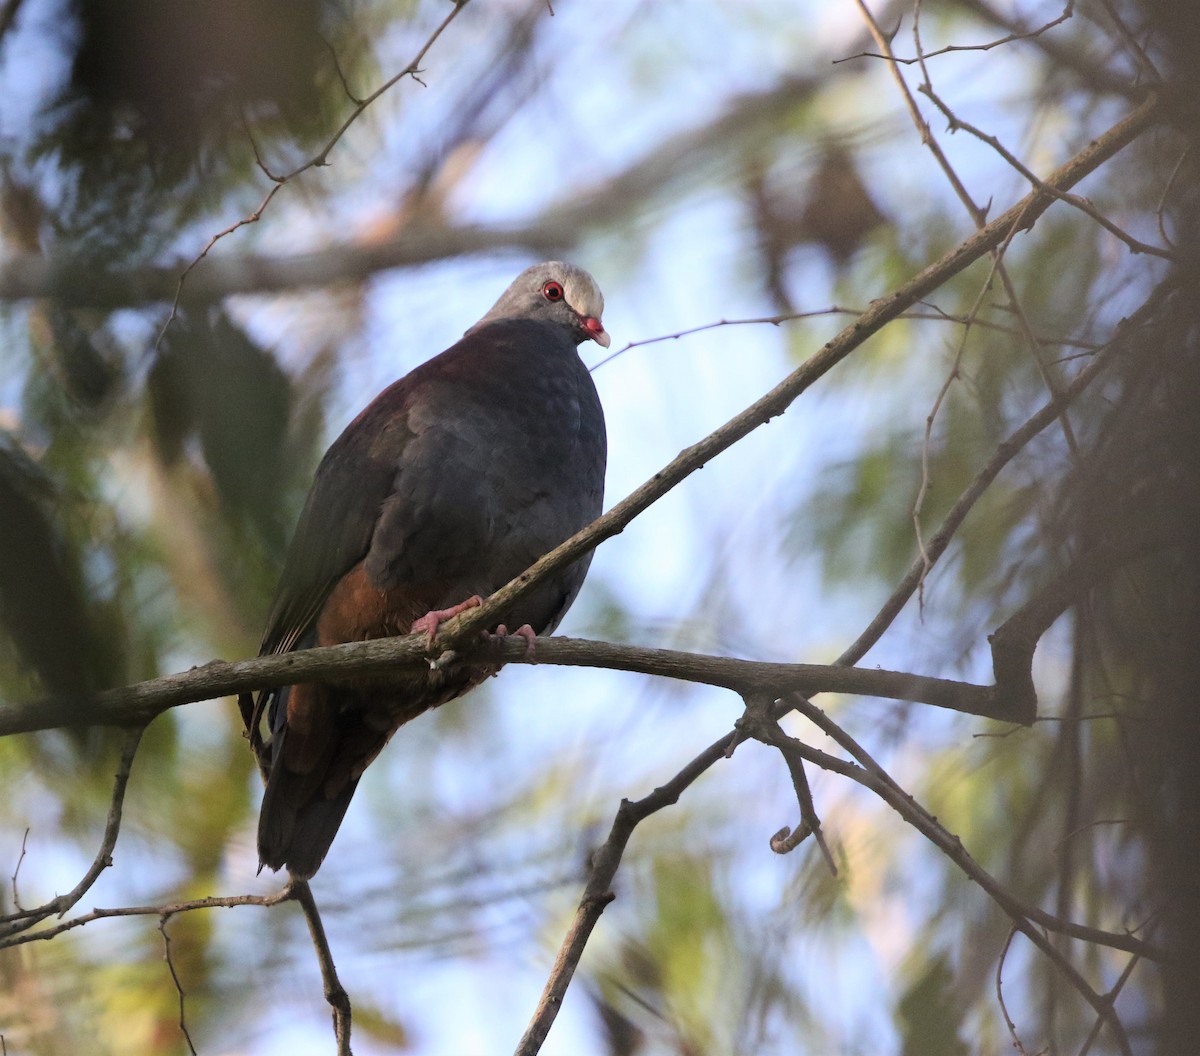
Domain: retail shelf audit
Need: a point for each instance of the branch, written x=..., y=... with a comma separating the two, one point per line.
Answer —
x=598, y=892
x=955, y=123
x=143, y=701
x=162, y=929
x=605, y=861
x=319, y=159
x=561, y=226
x=1065, y=57
x=24, y=919
x=952, y=49
x=760, y=722
x=882, y=311
x=167, y=909
x=1003, y=455
x=1029, y=920
x=933, y=315
x=335, y=993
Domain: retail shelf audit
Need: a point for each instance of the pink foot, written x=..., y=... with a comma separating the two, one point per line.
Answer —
x=431, y=621
x=524, y=631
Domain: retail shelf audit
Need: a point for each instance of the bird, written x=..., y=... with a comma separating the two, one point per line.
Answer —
x=451, y=482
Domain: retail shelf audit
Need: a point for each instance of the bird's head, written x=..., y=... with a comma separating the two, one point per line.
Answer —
x=555, y=292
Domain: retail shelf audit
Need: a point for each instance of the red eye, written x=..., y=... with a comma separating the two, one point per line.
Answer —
x=553, y=291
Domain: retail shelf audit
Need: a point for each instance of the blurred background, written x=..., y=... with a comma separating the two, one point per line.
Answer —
x=727, y=161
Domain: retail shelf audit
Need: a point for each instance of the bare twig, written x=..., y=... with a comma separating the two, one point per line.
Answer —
x=162, y=928
x=337, y=66
x=1063, y=56
x=760, y=722
x=252, y=218
x=144, y=700
x=22, y=920
x=935, y=315
x=1027, y=919
x=17, y=869
x=1082, y=204
x=950, y=49
x=941, y=539
x=1008, y=1020
x=319, y=159
x=1149, y=70
x=979, y=217
x=598, y=892
x=882, y=311
x=168, y=909
x=335, y=993
x=1112, y=995
x=1160, y=209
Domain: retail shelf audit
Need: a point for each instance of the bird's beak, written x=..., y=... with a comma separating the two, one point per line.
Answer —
x=596, y=330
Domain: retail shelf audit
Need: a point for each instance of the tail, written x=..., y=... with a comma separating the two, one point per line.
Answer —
x=314, y=759
x=297, y=822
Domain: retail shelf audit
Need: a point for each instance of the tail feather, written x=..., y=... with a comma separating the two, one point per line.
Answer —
x=297, y=824
x=318, y=750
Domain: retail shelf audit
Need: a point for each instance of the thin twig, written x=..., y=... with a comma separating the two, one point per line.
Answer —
x=162, y=928
x=1131, y=41
x=597, y=892
x=317, y=160
x=934, y=315
x=759, y=722
x=1028, y=920
x=950, y=49
x=17, y=869
x=1008, y=1020
x=170, y=909
x=253, y=218
x=979, y=218
x=942, y=538
x=1112, y=995
x=1160, y=209
x=335, y=993
x=1082, y=204
x=337, y=65
x=21, y=920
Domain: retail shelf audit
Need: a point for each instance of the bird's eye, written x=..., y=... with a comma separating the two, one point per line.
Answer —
x=553, y=291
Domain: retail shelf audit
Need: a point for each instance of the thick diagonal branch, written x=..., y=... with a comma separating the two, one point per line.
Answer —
x=1021, y=216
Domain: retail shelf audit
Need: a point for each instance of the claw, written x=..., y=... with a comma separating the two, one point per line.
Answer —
x=431, y=621
x=524, y=631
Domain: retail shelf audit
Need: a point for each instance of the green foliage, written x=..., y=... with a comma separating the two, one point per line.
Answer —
x=210, y=382
x=929, y=1015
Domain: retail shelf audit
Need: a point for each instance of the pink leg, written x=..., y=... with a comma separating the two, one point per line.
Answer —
x=431, y=621
x=524, y=631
